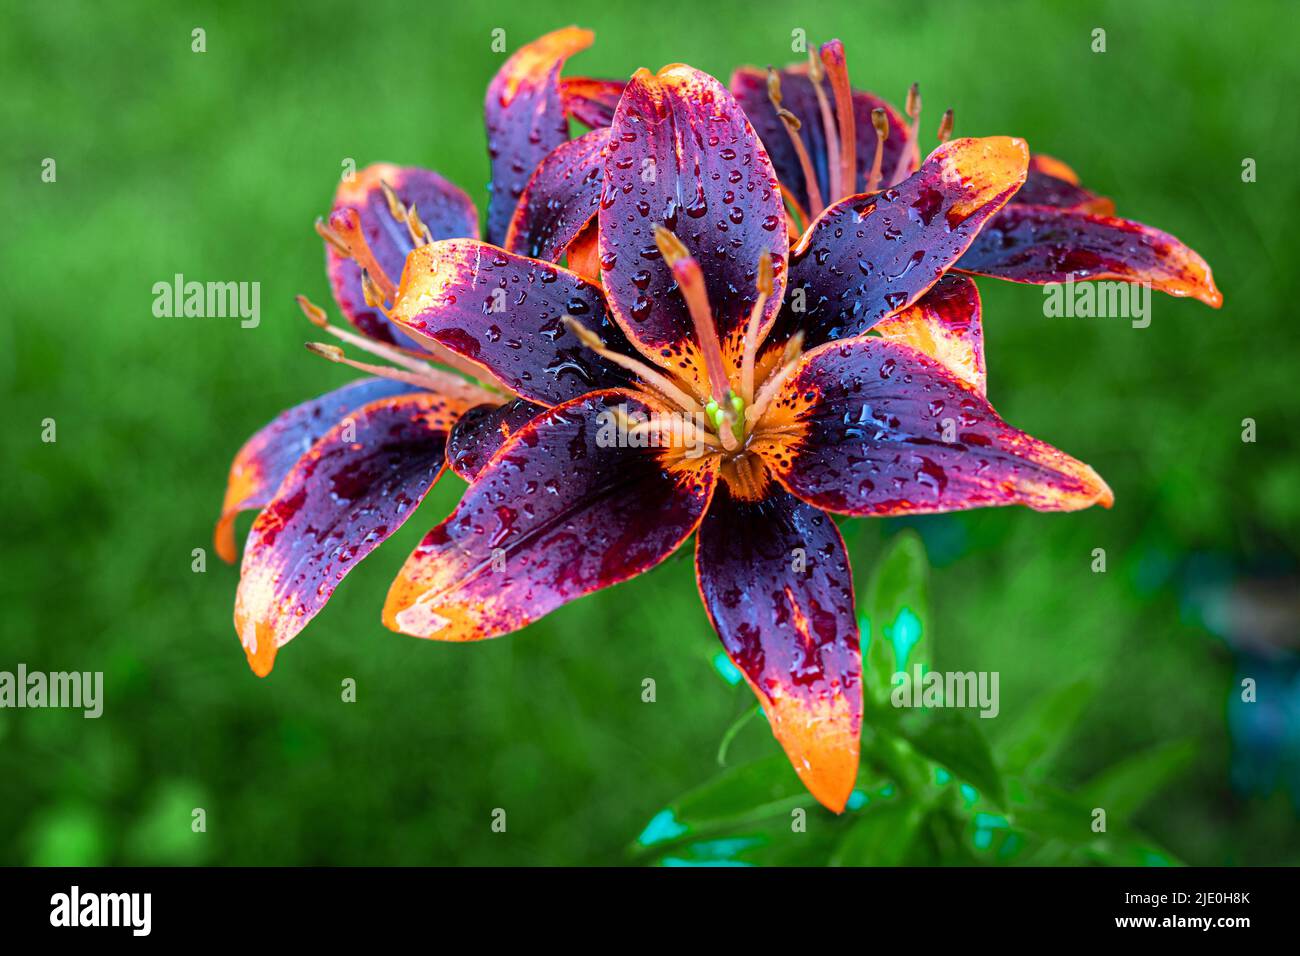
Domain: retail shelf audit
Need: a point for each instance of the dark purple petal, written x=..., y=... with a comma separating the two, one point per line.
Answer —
x=354, y=488
x=559, y=512
x=776, y=582
x=266, y=458
x=505, y=313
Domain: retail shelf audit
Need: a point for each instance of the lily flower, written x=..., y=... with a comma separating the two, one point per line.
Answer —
x=333, y=477
x=683, y=393
x=828, y=141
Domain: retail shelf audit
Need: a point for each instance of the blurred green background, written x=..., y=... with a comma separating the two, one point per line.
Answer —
x=214, y=165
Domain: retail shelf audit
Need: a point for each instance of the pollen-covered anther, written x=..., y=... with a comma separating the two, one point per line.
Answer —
x=945, y=126
x=880, y=122
x=395, y=207
x=371, y=292
x=419, y=232
x=912, y=151
x=317, y=316
x=690, y=281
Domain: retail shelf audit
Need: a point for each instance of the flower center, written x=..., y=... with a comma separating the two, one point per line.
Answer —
x=730, y=411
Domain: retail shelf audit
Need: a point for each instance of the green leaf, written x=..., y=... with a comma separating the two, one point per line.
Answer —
x=895, y=623
x=1123, y=788
x=882, y=835
x=1053, y=815
x=953, y=739
x=754, y=791
x=1045, y=726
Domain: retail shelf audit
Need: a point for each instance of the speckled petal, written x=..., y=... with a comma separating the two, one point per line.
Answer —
x=505, y=313
x=526, y=119
x=266, y=458
x=481, y=431
x=353, y=489
x=682, y=155
x=874, y=427
x=1041, y=244
x=874, y=254
x=775, y=579
x=560, y=199
x=560, y=511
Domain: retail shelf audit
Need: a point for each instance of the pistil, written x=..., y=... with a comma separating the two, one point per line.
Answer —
x=837, y=70
x=690, y=280
x=815, y=73
x=346, y=224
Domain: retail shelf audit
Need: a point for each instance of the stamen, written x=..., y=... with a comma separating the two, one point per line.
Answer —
x=659, y=382
x=751, y=329
x=945, y=126
x=317, y=316
x=681, y=430
x=771, y=387
x=838, y=71
x=374, y=298
x=690, y=280
x=435, y=380
x=815, y=73
x=913, y=110
x=347, y=224
x=792, y=126
x=420, y=234
x=880, y=120
x=395, y=207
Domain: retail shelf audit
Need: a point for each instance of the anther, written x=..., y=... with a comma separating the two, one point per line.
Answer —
x=792, y=126
x=911, y=151
x=317, y=316
x=879, y=120
x=395, y=207
x=945, y=126
x=374, y=298
x=420, y=234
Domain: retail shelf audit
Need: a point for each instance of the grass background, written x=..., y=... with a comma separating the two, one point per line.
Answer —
x=215, y=164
